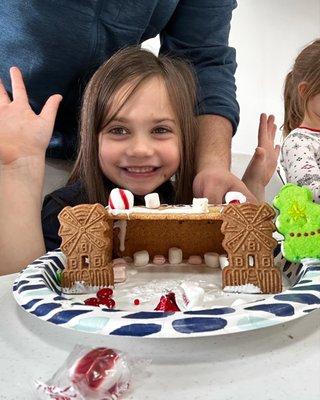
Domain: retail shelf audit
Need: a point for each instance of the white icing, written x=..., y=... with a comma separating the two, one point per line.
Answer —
x=122, y=225
x=186, y=209
x=248, y=288
x=81, y=288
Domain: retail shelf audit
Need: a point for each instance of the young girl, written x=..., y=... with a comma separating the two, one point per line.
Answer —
x=300, y=153
x=138, y=129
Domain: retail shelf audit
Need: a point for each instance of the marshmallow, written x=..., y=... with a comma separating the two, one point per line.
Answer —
x=175, y=255
x=223, y=260
x=120, y=199
x=235, y=197
x=195, y=260
x=141, y=258
x=128, y=259
x=212, y=260
x=119, y=261
x=200, y=204
x=159, y=260
x=152, y=200
x=192, y=295
x=119, y=273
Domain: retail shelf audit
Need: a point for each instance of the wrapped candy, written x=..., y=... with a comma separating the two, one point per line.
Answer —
x=168, y=303
x=120, y=199
x=235, y=198
x=89, y=374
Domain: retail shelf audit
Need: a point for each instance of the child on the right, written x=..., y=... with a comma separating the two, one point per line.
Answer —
x=300, y=152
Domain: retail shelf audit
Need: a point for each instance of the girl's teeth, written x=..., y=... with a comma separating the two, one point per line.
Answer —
x=141, y=170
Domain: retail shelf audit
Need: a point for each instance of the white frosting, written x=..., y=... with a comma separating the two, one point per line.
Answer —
x=186, y=209
x=248, y=288
x=122, y=225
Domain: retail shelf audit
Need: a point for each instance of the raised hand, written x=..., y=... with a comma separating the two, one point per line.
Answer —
x=264, y=161
x=24, y=134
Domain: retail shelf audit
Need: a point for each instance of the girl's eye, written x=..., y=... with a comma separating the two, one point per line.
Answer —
x=118, y=131
x=161, y=129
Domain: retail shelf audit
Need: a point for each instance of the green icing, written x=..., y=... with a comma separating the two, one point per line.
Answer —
x=298, y=221
x=58, y=277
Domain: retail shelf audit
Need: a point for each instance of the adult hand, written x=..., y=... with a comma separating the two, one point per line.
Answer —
x=214, y=183
x=23, y=134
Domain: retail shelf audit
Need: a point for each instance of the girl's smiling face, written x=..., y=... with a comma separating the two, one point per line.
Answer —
x=140, y=148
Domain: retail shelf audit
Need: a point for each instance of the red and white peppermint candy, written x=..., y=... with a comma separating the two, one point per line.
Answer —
x=120, y=199
x=235, y=198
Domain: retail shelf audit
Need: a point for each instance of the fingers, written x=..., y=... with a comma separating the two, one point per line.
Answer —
x=49, y=110
x=262, y=129
x=4, y=98
x=277, y=150
x=271, y=127
x=19, y=92
x=267, y=130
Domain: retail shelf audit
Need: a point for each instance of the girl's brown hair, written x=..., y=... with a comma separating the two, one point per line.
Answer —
x=133, y=65
x=305, y=69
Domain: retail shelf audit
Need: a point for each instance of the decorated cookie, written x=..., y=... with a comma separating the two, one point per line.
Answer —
x=299, y=222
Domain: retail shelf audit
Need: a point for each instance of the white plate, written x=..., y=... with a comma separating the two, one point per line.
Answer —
x=37, y=291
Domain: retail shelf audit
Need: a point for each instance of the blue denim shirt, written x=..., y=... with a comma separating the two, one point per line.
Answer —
x=59, y=43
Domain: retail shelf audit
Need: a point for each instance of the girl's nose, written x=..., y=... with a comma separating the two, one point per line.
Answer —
x=140, y=147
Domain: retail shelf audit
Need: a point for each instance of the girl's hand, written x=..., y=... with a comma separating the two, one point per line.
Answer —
x=24, y=134
x=264, y=161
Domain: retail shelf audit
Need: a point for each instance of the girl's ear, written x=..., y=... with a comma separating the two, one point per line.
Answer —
x=302, y=88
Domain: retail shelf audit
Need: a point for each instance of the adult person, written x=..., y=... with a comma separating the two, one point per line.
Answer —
x=59, y=44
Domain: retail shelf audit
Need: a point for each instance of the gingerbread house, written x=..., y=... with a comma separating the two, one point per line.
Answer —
x=92, y=236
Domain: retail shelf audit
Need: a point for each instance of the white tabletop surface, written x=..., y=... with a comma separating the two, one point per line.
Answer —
x=275, y=363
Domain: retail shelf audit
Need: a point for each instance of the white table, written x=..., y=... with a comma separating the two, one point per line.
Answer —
x=275, y=363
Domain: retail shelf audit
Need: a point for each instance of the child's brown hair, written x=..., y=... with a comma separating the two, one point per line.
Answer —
x=306, y=68
x=133, y=65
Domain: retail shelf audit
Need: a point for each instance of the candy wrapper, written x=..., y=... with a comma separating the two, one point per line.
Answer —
x=89, y=374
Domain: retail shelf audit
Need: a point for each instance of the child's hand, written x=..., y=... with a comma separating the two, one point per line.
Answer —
x=24, y=134
x=264, y=161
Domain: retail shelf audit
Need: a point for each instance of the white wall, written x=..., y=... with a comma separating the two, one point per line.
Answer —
x=267, y=35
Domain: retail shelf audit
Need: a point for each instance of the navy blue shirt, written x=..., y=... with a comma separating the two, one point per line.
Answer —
x=58, y=44
x=75, y=194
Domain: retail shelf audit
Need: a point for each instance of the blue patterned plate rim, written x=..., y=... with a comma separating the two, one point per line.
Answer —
x=37, y=292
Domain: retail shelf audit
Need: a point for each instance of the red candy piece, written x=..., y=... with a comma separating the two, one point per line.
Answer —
x=93, y=368
x=92, y=301
x=234, y=202
x=104, y=293
x=167, y=303
x=136, y=302
x=110, y=303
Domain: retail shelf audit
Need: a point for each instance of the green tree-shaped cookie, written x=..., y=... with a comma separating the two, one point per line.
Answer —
x=299, y=222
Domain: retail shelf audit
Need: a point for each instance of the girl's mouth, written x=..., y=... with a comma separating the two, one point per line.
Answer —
x=140, y=171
